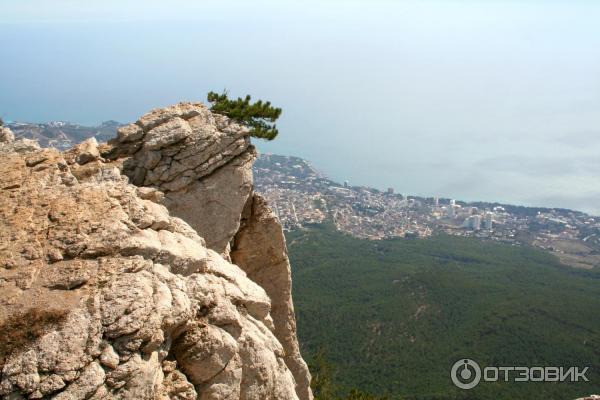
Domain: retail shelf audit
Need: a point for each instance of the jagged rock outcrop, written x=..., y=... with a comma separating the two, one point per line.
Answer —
x=201, y=161
x=8, y=144
x=6, y=135
x=119, y=290
x=260, y=250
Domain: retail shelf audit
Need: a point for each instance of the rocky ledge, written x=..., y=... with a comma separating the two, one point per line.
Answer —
x=144, y=268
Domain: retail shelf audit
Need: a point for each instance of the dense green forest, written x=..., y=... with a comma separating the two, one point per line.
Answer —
x=393, y=316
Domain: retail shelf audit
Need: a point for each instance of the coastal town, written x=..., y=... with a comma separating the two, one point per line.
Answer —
x=301, y=195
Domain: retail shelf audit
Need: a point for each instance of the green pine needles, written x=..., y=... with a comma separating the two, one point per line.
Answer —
x=260, y=116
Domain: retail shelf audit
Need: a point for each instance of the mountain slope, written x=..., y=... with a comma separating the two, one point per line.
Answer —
x=394, y=315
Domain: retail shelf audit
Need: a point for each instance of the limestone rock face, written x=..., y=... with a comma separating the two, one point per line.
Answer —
x=9, y=144
x=86, y=151
x=6, y=135
x=202, y=163
x=260, y=250
x=221, y=197
x=115, y=272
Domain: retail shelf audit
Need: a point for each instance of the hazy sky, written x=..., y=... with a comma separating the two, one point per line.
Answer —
x=476, y=100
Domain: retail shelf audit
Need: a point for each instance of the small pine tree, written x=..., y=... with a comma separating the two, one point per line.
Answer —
x=356, y=394
x=323, y=383
x=1, y=122
x=260, y=116
x=323, y=372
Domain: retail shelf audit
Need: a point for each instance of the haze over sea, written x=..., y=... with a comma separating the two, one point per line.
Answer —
x=474, y=100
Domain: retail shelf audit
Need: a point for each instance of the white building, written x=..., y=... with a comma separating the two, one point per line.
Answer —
x=450, y=211
x=473, y=222
x=453, y=210
x=488, y=222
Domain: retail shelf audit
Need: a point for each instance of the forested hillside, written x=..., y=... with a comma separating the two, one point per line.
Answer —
x=394, y=315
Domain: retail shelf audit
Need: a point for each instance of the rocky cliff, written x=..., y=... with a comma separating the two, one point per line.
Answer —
x=144, y=268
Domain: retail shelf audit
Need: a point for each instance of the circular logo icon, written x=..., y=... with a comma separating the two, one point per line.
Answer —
x=465, y=374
